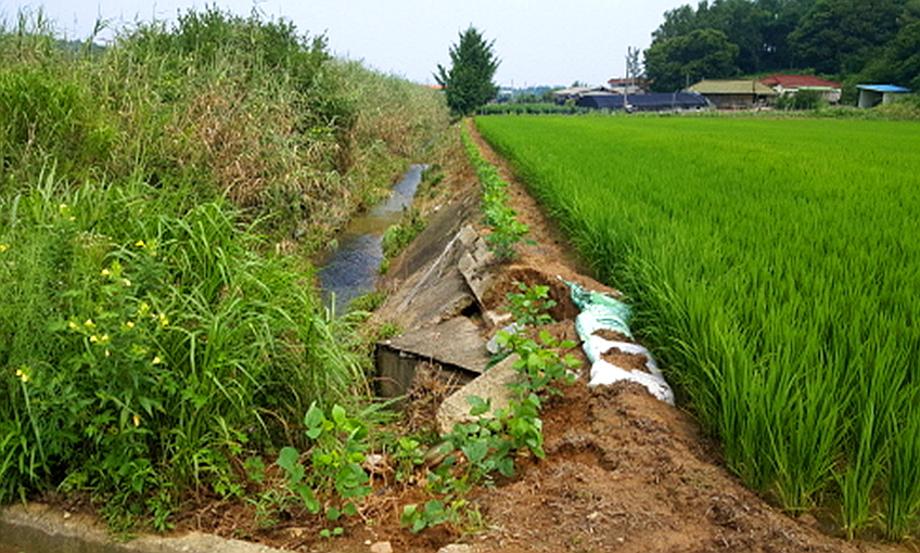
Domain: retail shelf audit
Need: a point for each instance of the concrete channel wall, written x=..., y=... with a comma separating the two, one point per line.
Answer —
x=37, y=528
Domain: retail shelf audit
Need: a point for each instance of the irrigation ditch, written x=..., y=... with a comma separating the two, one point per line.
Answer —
x=623, y=470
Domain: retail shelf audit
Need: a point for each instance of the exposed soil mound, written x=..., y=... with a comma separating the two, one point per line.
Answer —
x=626, y=472
x=507, y=284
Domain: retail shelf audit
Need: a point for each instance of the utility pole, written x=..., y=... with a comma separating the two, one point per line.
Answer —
x=626, y=88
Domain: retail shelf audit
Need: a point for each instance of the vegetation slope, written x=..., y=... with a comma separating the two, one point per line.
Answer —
x=155, y=330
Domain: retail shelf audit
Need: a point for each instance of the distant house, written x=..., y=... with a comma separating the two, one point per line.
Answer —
x=627, y=86
x=871, y=95
x=680, y=101
x=734, y=94
x=790, y=84
x=573, y=93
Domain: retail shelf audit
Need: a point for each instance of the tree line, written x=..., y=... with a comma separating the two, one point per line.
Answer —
x=852, y=40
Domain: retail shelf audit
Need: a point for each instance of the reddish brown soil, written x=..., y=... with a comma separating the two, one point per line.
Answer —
x=628, y=361
x=612, y=335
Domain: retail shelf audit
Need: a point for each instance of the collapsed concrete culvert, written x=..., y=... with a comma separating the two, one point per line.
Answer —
x=456, y=345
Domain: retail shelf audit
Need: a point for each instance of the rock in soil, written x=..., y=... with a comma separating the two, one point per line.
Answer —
x=382, y=547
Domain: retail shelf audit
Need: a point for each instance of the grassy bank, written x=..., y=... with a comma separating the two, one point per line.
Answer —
x=157, y=336
x=773, y=267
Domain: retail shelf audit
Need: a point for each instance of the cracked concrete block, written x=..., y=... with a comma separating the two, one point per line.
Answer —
x=491, y=385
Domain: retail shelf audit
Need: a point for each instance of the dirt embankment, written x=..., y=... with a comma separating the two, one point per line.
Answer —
x=624, y=471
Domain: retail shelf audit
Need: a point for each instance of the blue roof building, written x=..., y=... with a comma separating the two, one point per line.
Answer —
x=871, y=95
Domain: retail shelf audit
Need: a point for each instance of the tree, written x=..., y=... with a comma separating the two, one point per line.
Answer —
x=840, y=36
x=468, y=83
x=900, y=60
x=704, y=53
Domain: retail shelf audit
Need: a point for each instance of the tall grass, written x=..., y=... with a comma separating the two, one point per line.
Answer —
x=150, y=337
x=773, y=267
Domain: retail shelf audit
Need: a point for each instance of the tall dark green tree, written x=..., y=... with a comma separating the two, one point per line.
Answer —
x=841, y=36
x=705, y=53
x=468, y=83
x=900, y=60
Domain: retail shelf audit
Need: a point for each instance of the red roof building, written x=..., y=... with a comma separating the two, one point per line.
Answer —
x=790, y=84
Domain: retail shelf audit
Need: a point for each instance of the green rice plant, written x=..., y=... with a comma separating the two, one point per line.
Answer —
x=903, y=507
x=771, y=269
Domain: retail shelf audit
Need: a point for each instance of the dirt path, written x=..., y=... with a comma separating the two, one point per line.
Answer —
x=625, y=472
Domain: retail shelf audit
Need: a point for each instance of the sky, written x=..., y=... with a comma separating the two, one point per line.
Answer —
x=539, y=42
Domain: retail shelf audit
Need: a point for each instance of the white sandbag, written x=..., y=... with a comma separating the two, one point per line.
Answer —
x=605, y=374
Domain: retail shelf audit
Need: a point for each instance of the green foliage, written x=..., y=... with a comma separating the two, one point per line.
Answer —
x=841, y=36
x=435, y=512
x=400, y=235
x=47, y=119
x=336, y=481
x=801, y=100
x=148, y=346
x=703, y=53
x=368, y=302
x=530, y=304
x=506, y=230
x=468, y=82
x=792, y=343
x=408, y=456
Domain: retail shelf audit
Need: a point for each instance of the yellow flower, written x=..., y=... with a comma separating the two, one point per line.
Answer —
x=143, y=308
x=4, y=247
x=88, y=323
x=157, y=360
x=105, y=272
x=126, y=282
x=72, y=325
x=137, y=420
x=164, y=320
x=63, y=208
x=140, y=244
x=129, y=324
x=94, y=338
x=108, y=353
x=104, y=339
x=23, y=375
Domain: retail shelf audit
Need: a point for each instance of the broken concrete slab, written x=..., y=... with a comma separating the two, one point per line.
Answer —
x=477, y=265
x=456, y=345
x=38, y=527
x=491, y=385
x=443, y=295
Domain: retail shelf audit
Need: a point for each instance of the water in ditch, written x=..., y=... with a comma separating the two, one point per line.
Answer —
x=352, y=268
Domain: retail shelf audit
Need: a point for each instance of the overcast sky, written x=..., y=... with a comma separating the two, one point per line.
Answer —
x=538, y=41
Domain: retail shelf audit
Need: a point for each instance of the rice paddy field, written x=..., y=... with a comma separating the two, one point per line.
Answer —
x=774, y=265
